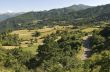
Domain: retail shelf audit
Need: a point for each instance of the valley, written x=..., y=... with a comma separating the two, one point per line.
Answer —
x=68, y=39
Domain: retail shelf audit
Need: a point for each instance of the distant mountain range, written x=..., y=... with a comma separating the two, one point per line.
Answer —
x=76, y=14
x=7, y=15
x=4, y=16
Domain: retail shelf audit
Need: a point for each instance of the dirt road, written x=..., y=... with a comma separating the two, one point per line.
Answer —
x=86, y=48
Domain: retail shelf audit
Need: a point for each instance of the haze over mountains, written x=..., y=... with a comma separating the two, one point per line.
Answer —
x=4, y=16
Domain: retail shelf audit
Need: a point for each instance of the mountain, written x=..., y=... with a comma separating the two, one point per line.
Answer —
x=76, y=14
x=94, y=11
x=7, y=15
x=54, y=13
x=78, y=7
x=36, y=19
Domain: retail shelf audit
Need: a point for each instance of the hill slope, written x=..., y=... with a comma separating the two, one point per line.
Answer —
x=67, y=15
x=35, y=19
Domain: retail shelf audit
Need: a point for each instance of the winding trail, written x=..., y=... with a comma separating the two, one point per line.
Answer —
x=86, y=48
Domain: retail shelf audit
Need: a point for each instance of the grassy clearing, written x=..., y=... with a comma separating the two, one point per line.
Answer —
x=45, y=30
x=31, y=49
x=80, y=53
x=9, y=47
x=26, y=35
x=2, y=69
x=89, y=29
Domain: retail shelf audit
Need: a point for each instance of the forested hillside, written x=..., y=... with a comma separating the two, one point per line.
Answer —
x=42, y=18
x=61, y=16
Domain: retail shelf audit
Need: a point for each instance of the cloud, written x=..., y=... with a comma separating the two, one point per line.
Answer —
x=9, y=11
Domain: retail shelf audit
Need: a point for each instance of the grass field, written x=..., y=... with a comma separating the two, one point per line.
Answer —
x=89, y=29
x=26, y=35
x=10, y=47
x=32, y=49
x=2, y=69
x=80, y=53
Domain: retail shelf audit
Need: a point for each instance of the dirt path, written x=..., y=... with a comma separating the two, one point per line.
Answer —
x=86, y=48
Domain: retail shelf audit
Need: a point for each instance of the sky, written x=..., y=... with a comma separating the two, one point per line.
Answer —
x=39, y=5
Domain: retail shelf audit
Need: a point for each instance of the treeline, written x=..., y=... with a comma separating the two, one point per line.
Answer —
x=100, y=43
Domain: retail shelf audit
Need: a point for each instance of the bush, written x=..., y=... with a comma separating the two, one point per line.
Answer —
x=97, y=43
x=36, y=34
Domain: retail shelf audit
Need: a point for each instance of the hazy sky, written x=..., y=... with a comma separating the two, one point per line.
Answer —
x=36, y=5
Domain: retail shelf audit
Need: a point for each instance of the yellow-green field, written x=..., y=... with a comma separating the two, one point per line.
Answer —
x=89, y=29
x=26, y=35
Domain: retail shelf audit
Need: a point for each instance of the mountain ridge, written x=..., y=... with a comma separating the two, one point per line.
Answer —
x=55, y=16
